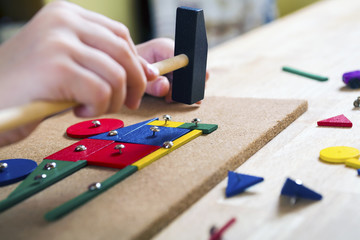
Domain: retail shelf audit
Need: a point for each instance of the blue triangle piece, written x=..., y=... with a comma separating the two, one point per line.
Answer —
x=292, y=188
x=237, y=183
x=122, y=131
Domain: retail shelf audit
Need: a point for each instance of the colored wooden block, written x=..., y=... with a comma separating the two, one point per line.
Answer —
x=71, y=154
x=338, y=154
x=152, y=157
x=90, y=127
x=205, y=128
x=337, y=121
x=90, y=194
x=144, y=135
x=111, y=157
x=31, y=185
x=168, y=123
x=296, y=189
x=121, y=132
x=237, y=183
x=16, y=170
x=353, y=163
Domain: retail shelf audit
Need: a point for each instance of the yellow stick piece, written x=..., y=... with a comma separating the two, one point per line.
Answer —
x=353, y=163
x=168, y=124
x=152, y=157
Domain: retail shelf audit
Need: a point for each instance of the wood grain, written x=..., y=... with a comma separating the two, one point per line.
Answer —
x=321, y=39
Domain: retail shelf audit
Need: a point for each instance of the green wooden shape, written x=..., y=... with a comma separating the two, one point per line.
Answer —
x=30, y=186
x=90, y=194
x=205, y=128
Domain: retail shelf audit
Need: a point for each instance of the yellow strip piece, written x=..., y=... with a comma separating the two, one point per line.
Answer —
x=152, y=157
x=168, y=124
x=338, y=154
x=353, y=163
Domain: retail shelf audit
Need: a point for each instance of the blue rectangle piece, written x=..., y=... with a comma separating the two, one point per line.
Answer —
x=144, y=135
x=121, y=132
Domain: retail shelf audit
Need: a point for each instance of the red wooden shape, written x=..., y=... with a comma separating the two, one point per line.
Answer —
x=69, y=153
x=87, y=128
x=337, y=121
x=111, y=157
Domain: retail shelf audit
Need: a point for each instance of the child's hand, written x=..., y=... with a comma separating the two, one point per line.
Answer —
x=68, y=53
x=155, y=51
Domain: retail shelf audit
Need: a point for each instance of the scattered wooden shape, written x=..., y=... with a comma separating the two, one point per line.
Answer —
x=163, y=151
x=168, y=124
x=88, y=195
x=337, y=121
x=31, y=186
x=111, y=157
x=70, y=154
x=338, y=154
x=205, y=128
x=122, y=131
x=352, y=79
x=237, y=183
x=87, y=128
x=353, y=163
x=358, y=172
x=17, y=169
x=218, y=234
x=295, y=189
x=144, y=135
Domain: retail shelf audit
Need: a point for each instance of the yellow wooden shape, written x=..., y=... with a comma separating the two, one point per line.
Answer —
x=168, y=124
x=152, y=157
x=338, y=154
x=353, y=163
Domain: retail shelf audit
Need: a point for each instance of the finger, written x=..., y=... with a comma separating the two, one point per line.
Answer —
x=117, y=28
x=89, y=90
x=158, y=88
x=151, y=72
x=98, y=37
x=107, y=69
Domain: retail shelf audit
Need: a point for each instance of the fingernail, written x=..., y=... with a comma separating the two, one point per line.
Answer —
x=153, y=69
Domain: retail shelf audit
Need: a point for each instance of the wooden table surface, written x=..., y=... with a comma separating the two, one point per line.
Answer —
x=325, y=39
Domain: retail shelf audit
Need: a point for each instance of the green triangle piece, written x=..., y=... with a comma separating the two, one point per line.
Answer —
x=30, y=186
x=204, y=127
x=90, y=194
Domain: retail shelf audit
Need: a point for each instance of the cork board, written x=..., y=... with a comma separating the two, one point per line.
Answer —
x=138, y=207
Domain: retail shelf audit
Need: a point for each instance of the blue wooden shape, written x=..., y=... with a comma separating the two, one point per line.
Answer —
x=144, y=135
x=296, y=189
x=358, y=172
x=237, y=183
x=16, y=170
x=122, y=131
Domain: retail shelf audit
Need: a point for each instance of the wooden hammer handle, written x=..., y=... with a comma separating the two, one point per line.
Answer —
x=12, y=118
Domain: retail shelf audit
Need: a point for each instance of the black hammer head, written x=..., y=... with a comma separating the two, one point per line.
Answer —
x=190, y=39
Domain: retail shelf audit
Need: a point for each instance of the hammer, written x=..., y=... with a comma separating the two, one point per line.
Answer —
x=188, y=80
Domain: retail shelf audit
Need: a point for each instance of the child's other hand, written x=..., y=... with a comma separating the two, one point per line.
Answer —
x=154, y=51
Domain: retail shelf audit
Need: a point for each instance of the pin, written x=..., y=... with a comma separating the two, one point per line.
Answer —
x=40, y=177
x=3, y=166
x=155, y=129
x=196, y=121
x=119, y=147
x=166, y=118
x=80, y=148
x=113, y=133
x=50, y=166
x=96, y=123
x=168, y=144
x=357, y=102
x=296, y=189
x=94, y=186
